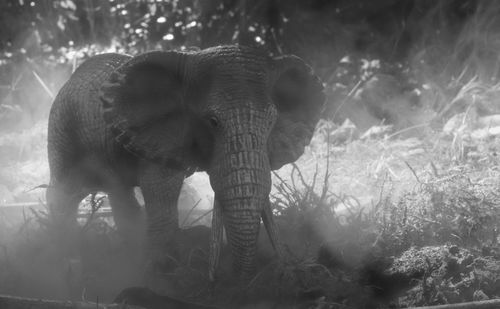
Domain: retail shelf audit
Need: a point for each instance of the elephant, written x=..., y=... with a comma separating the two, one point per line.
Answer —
x=153, y=119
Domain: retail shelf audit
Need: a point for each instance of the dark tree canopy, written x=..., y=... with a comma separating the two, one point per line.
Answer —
x=387, y=28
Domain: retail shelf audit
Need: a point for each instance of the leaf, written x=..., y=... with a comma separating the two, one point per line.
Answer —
x=60, y=23
x=70, y=5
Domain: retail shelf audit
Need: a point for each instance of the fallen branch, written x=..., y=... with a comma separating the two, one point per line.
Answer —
x=13, y=302
x=130, y=298
x=484, y=304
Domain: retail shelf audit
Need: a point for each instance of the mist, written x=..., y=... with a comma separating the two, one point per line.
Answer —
x=393, y=203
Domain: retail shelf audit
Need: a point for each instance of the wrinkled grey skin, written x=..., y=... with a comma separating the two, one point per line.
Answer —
x=151, y=120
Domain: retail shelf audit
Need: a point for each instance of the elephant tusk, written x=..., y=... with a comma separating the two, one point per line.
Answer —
x=272, y=229
x=215, y=240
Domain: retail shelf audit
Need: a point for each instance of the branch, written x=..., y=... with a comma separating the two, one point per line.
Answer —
x=484, y=304
x=12, y=302
x=140, y=297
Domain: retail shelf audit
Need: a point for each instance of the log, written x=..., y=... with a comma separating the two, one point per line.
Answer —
x=130, y=298
x=483, y=304
x=14, y=302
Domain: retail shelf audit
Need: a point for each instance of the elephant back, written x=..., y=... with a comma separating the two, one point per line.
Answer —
x=76, y=125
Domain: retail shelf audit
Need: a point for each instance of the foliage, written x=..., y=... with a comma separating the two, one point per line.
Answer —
x=449, y=209
x=347, y=43
x=447, y=274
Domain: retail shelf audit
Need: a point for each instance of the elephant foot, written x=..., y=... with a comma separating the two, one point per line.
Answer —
x=162, y=259
x=160, y=269
x=182, y=262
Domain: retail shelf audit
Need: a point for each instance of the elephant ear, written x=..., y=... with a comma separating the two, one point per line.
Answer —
x=143, y=105
x=298, y=96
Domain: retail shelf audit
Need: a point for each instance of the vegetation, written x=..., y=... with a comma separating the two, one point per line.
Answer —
x=397, y=206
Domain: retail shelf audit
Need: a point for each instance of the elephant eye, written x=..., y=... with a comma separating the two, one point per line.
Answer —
x=213, y=121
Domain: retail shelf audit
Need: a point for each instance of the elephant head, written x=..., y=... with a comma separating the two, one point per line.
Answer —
x=232, y=111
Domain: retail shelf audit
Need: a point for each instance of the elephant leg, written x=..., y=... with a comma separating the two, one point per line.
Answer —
x=160, y=188
x=128, y=216
x=63, y=199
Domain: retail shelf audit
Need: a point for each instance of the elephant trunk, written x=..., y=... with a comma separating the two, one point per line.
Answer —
x=242, y=207
x=242, y=191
